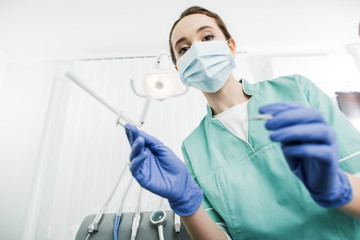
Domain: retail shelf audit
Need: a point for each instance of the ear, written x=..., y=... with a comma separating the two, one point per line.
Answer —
x=176, y=68
x=232, y=46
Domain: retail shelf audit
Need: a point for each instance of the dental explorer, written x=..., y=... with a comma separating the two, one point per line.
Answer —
x=119, y=212
x=94, y=225
x=261, y=117
x=118, y=122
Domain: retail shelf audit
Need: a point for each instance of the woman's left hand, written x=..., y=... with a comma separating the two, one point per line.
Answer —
x=310, y=148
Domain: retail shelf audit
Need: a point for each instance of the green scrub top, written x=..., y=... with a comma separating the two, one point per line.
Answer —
x=249, y=185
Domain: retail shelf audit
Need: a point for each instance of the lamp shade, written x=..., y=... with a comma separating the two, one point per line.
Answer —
x=159, y=84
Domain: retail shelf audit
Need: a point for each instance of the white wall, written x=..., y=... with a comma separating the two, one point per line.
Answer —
x=3, y=66
x=23, y=103
x=73, y=29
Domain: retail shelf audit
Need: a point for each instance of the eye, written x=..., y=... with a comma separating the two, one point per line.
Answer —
x=183, y=50
x=208, y=37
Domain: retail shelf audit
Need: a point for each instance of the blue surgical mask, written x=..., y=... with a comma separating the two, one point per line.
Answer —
x=206, y=65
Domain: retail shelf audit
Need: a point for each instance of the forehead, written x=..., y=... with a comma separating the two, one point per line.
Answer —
x=188, y=25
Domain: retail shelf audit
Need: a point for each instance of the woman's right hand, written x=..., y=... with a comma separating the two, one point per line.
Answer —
x=159, y=170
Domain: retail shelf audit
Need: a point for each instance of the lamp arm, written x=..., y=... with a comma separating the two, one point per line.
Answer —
x=134, y=89
x=144, y=112
x=158, y=59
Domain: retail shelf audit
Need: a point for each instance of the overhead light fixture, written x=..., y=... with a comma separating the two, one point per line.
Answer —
x=159, y=83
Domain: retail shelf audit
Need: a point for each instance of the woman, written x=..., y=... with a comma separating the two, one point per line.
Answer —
x=297, y=184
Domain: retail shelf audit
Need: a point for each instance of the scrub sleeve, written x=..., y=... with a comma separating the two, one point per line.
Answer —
x=205, y=203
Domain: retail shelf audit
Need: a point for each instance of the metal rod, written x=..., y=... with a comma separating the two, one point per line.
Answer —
x=88, y=236
x=73, y=77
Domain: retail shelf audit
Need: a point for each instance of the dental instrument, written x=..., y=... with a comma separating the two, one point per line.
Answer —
x=76, y=79
x=119, y=212
x=177, y=223
x=261, y=117
x=94, y=225
x=118, y=122
x=158, y=219
x=137, y=217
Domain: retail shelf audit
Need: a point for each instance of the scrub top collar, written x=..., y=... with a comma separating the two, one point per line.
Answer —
x=248, y=88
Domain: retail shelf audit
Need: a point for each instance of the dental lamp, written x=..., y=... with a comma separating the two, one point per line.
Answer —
x=159, y=83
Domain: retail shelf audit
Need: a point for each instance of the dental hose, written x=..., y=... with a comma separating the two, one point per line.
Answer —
x=119, y=212
x=94, y=225
x=137, y=217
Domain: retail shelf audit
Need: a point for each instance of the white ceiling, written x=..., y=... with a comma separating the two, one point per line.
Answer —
x=39, y=30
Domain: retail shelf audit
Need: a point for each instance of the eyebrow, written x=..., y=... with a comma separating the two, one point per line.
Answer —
x=202, y=28
x=197, y=31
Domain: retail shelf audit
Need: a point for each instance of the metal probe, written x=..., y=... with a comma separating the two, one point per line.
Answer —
x=261, y=117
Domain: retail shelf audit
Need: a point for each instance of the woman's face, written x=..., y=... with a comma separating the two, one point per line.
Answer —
x=193, y=28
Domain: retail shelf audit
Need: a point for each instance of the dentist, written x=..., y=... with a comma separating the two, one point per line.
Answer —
x=290, y=177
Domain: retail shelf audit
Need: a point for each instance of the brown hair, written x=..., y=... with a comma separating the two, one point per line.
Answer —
x=198, y=10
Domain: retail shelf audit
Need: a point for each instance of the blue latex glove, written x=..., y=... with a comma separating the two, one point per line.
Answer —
x=159, y=170
x=310, y=148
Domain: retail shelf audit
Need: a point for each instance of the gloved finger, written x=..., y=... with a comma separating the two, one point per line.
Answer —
x=294, y=116
x=131, y=132
x=138, y=148
x=304, y=133
x=137, y=166
x=313, y=152
x=155, y=145
x=276, y=108
x=141, y=170
x=151, y=142
x=293, y=163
